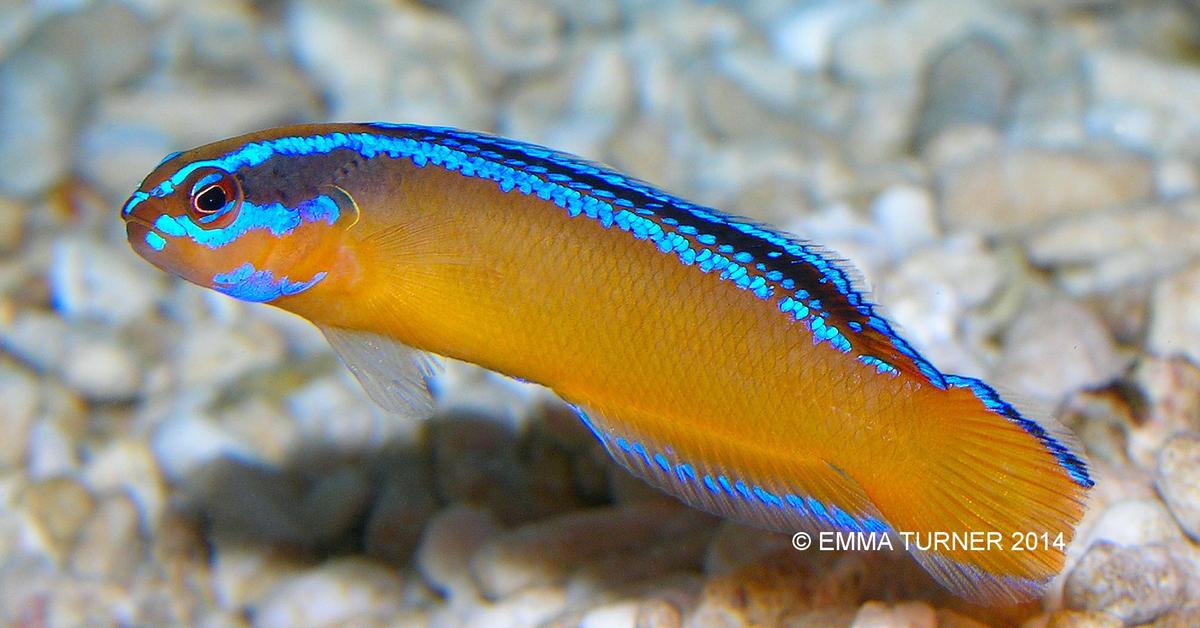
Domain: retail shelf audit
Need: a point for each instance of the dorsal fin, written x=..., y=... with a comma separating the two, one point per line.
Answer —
x=873, y=338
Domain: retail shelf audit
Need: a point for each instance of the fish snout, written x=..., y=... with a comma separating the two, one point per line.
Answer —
x=139, y=214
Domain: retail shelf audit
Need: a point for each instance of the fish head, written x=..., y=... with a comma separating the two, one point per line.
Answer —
x=258, y=227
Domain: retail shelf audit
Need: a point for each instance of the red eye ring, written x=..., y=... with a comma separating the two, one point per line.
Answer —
x=216, y=197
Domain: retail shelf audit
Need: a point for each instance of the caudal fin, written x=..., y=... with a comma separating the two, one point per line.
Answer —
x=990, y=498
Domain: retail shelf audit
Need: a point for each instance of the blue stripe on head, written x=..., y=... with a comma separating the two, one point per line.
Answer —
x=259, y=286
x=136, y=199
x=170, y=226
x=208, y=179
x=275, y=218
x=155, y=241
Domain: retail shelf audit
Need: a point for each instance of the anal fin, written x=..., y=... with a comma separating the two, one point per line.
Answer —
x=394, y=375
x=748, y=482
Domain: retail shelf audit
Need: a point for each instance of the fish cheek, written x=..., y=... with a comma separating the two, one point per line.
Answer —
x=200, y=263
x=186, y=259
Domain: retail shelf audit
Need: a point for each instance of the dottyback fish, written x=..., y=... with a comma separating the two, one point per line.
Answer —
x=734, y=366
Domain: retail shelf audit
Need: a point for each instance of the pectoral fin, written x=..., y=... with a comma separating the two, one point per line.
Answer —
x=393, y=374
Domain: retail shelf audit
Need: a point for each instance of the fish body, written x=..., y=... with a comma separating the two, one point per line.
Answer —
x=737, y=367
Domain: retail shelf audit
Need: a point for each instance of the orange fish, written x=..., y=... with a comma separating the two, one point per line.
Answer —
x=734, y=366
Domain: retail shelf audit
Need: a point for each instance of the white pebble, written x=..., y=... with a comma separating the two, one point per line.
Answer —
x=616, y=615
x=1179, y=480
x=339, y=591
x=1056, y=347
x=21, y=399
x=1176, y=179
x=906, y=215
x=212, y=356
x=805, y=38
x=91, y=280
x=102, y=370
x=185, y=444
x=51, y=452
x=1175, y=316
x=37, y=338
x=125, y=464
x=908, y=614
x=443, y=557
x=1135, y=522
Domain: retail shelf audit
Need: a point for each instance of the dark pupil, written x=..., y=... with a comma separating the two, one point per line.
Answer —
x=211, y=199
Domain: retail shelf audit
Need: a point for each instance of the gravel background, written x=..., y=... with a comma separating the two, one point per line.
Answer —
x=1019, y=180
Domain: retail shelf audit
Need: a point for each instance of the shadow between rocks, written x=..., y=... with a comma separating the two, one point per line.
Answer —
x=565, y=520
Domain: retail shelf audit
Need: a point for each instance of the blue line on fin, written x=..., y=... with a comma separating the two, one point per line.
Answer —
x=1051, y=439
x=723, y=492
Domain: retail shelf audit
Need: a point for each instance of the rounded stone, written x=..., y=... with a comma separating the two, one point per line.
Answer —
x=1135, y=584
x=59, y=508
x=1134, y=522
x=341, y=591
x=110, y=546
x=102, y=370
x=20, y=393
x=450, y=539
x=1179, y=480
x=907, y=216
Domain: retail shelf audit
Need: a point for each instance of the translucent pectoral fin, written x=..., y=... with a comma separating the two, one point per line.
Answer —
x=393, y=374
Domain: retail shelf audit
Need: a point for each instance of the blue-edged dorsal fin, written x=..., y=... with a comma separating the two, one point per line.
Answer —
x=798, y=494
x=843, y=294
x=394, y=375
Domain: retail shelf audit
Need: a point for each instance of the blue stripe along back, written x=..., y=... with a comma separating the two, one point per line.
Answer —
x=813, y=286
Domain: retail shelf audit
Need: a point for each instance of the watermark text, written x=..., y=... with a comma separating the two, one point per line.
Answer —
x=939, y=541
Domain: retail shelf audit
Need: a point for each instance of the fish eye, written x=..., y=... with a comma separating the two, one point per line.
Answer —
x=215, y=197
x=211, y=199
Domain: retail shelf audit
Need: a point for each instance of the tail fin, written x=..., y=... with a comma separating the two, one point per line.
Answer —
x=990, y=498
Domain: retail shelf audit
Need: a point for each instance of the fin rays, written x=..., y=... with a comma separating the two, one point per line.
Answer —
x=810, y=496
x=986, y=473
x=394, y=375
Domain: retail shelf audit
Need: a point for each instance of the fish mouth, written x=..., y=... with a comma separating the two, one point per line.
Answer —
x=143, y=237
x=136, y=230
x=131, y=219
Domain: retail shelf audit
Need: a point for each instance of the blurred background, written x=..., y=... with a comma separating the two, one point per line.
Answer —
x=1018, y=179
